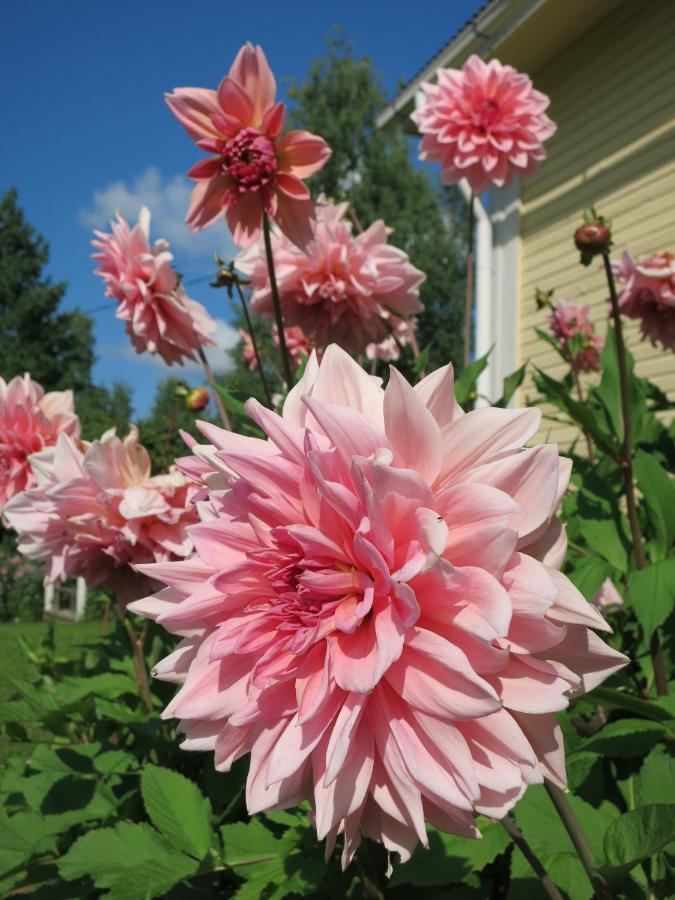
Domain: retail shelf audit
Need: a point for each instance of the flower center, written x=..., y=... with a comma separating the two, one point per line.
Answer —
x=486, y=115
x=250, y=160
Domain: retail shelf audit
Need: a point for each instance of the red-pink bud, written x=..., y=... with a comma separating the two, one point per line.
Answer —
x=197, y=399
x=592, y=238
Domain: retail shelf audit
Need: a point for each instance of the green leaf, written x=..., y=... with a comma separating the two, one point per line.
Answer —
x=651, y=593
x=625, y=738
x=449, y=858
x=115, y=762
x=178, y=809
x=131, y=857
x=656, y=780
x=511, y=384
x=108, y=685
x=231, y=404
x=639, y=834
x=465, y=385
x=658, y=491
x=620, y=700
x=589, y=573
x=21, y=836
x=248, y=843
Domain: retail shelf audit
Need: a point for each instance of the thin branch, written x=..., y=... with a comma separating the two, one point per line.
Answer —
x=224, y=418
x=139, y=664
x=519, y=840
x=285, y=356
x=249, y=325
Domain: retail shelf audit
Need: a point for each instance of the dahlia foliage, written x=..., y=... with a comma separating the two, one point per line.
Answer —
x=96, y=511
x=572, y=328
x=253, y=170
x=648, y=294
x=375, y=610
x=342, y=287
x=159, y=315
x=30, y=420
x=484, y=122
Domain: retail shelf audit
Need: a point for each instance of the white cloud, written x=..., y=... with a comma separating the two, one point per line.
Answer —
x=167, y=200
x=225, y=336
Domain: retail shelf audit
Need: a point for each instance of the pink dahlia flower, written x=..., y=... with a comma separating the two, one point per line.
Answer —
x=607, y=596
x=485, y=123
x=159, y=315
x=649, y=294
x=247, y=350
x=375, y=610
x=342, y=286
x=297, y=344
x=572, y=328
x=254, y=171
x=96, y=510
x=30, y=420
x=402, y=334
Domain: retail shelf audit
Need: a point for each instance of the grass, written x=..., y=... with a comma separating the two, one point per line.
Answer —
x=13, y=663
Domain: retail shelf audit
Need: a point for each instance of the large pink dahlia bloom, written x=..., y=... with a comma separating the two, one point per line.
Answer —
x=485, y=123
x=572, y=328
x=341, y=287
x=30, y=420
x=375, y=610
x=648, y=294
x=159, y=315
x=253, y=169
x=96, y=510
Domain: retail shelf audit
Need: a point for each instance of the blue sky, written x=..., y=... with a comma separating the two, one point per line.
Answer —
x=86, y=131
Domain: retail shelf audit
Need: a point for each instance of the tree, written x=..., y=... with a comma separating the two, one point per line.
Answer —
x=100, y=408
x=340, y=99
x=160, y=430
x=55, y=347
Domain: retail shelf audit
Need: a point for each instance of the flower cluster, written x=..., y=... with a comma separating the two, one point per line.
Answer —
x=96, y=510
x=342, y=287
x=375, y=610
x=253, y=170
x=30, y=420
x=484, y=122
x=159, y=315
x=573, y=330
x=648, y=294
x=402, y=335
x=296, y=343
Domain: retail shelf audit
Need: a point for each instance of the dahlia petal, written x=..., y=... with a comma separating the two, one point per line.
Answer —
x=235, y=101
x=251, y=71
x=301, y=153
x=206, y=202
x=437, y=392
x=588, y=655
x=194, y=108
x=412, y=430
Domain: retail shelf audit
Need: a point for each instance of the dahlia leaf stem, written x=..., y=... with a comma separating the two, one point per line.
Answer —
x=626, y=464
x=140, y=671
x=518, y=839
x=285, y=356
x=249, y=326
x=468, y=300
x=580, y=395
x=579, y=840
x=208, y=371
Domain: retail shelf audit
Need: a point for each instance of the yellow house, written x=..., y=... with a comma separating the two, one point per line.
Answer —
x=609, y=68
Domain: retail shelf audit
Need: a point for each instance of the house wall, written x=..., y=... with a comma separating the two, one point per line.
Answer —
x=613, y=98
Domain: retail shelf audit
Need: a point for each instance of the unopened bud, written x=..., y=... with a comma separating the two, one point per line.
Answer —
x=197, y=399
x=593, y=238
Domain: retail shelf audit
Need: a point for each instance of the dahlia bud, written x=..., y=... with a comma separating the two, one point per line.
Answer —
x=593, y=237
x=197, y=399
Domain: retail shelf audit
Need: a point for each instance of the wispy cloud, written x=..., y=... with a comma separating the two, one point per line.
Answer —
x=167, y=200
x=220, y=361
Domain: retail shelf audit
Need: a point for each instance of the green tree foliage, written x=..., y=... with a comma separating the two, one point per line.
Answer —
x=160, y=430
x=56, y=347
x=100, y=408
x=340, y=99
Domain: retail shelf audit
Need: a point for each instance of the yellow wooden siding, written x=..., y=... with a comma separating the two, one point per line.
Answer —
x=613, y=99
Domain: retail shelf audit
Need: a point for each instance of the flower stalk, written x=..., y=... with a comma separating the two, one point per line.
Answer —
x=140, y=671
x=285, y=356
x=208, y=371
x=626, y=463
x=249, y=327
x=518, y=839
x=579, y=840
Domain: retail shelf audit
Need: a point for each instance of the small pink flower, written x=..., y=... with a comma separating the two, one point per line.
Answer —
x=30, y=420
x=159, y=315
x=342, y=286
x=375, y=610
x=297, y=344
x=253, y=171
x=649, y=294
x=197, y=399
x=247, y=350
x=402, y=334
x=485, y=123
x=572, y=328
x=607, y=596
x=96, y=510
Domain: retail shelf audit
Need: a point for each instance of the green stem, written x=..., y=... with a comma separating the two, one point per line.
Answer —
x=579, y=840
x=224, y=418
x=139, y=664
x=249, y=325
x=519, y=840
x=285, y=356
x=626, y=463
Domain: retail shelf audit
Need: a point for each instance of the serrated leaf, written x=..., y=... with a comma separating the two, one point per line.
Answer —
x=178, y=809
x=658, y=493
x=656, y=780
x=133, y=856
x=638, y=834
x=651, y=594
x=511, y=384
x=21, y=836
x=625, y=738
x=245, y=843
x=465, y=385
